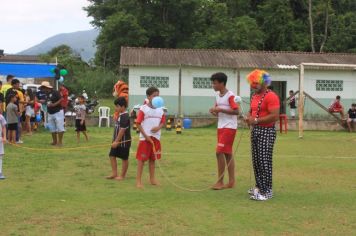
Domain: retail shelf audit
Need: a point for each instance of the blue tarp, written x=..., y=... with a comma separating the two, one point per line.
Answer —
x=27, y=70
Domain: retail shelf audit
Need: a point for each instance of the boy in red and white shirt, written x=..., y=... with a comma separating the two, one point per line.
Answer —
x=149, y=121
x=227, y=110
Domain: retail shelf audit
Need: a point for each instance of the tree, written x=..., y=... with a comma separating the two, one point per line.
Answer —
x=302, y=25
x=80, y=75
x=311, y=25
x=120, y=29
x=342, y=34
x=279, y=26
x=155, y=23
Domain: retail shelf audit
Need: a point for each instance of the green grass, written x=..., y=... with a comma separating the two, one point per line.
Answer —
x=108, y=102
x=63, y=192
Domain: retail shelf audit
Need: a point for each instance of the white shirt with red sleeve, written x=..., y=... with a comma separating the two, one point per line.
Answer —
x=149, y=118
x=226, y=121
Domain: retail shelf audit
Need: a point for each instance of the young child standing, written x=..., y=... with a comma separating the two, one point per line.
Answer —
x=3, y=140
x=29, y=111
x=80, y=111
x=227, y=110
x=12, y=114
x=121, y=144
x=150, y=120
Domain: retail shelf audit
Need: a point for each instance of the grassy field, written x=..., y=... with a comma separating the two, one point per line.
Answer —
x=108, y=102
x=63, y=192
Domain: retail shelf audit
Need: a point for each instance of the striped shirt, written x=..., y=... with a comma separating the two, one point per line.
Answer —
x=123, y=122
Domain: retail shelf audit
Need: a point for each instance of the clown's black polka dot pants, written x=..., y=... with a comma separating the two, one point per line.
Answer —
x=262, y=142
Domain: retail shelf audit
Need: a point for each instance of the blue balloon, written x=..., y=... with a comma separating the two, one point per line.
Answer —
x=61, y=79
x=157, y=102
x=38, y=118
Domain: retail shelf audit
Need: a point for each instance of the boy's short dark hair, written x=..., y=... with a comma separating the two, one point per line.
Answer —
x=15, y=81
x=151, y=90
x=353, y=105
x=11, y=95
x=220, y=77
x=291, y=91
x=81, y=97
x=121, y=101
x=338, y=97
x=8, y=77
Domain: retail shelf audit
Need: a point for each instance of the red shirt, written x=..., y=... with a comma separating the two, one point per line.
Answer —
x=64, y=92
x=270, y=102
x=336, y=105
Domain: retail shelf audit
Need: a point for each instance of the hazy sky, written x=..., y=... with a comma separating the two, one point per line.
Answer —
x=25, y=23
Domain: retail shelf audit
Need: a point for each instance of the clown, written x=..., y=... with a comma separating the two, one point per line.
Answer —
x=264, y=112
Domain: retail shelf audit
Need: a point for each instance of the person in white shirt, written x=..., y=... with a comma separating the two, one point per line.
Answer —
x=227, y=110
x=150, y=121
x=80, y=111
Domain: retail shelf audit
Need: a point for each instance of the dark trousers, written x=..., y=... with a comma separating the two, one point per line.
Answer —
x=18, y=129
x=262, y=142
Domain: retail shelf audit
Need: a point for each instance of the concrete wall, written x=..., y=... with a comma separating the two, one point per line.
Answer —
x=206, y=121
x=196, y=102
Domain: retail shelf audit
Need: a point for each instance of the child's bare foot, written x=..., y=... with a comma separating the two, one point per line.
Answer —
x=139, y=185
x=218, y=186
x=111, y=177
x=229, y=185
x=119, y=178
x=154, y=182
x=53, y=144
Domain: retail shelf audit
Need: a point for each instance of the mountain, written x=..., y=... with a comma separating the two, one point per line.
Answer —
x=81, y=42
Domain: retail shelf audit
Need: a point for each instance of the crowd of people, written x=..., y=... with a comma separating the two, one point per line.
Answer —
x=23, y=111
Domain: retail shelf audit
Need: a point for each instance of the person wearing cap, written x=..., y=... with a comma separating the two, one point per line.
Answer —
x=55, y=113
x=264, y=112
x=351, y=117
x=41, y=96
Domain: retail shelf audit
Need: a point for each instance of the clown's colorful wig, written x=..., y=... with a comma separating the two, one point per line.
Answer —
x=259, y=76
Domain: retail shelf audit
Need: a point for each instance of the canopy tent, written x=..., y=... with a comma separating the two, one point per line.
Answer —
x=24, y=70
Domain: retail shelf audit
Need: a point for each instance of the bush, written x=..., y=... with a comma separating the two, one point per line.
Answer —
x=96, y=81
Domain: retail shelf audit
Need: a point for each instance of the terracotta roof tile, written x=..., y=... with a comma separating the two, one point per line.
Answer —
x=136, y=56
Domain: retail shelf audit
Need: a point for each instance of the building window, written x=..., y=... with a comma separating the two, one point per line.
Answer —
x=156, y=81
x=202, y=83
x=329, y=85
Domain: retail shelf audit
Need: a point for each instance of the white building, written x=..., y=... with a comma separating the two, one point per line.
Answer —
x=187, y=72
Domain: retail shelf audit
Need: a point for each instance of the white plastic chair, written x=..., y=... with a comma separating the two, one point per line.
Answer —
x=104, y=113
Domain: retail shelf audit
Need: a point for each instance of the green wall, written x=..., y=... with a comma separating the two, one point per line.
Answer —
x=199, y=105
